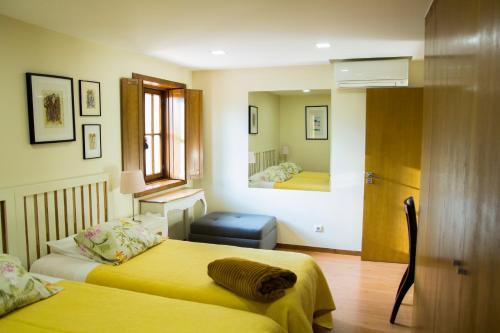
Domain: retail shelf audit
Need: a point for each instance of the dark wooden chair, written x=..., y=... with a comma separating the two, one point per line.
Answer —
x=409, y=276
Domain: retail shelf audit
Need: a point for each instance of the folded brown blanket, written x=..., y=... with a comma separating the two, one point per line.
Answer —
x=251, y=279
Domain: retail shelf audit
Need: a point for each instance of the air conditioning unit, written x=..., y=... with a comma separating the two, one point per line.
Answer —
x=375, y=72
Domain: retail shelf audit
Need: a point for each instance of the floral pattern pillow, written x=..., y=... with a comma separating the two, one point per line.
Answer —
x=115, y=243
x=277, y=174
x=18, y=287
x=291, y=167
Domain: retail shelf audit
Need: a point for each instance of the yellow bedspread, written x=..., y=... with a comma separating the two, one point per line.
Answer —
x=178, y=269
x=88, y=308
x=307, y=181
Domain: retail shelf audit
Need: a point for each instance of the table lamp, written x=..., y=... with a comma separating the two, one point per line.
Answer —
x=285, y=150
x=251, y=157
x=132, y=182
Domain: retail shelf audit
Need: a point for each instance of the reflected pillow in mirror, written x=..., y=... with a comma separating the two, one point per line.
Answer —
x=277, y=174
x=291, y=167
x=258, y=177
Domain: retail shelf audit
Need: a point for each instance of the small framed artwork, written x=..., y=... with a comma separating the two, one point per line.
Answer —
x=91, y=141
x=253, y=119
x=317, y=122
x=51, y=112
x=90, y=98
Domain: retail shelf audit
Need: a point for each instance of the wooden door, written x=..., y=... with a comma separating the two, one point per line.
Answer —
x=393, y=154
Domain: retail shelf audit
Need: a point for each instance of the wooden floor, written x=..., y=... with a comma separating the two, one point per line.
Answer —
x=364, y=294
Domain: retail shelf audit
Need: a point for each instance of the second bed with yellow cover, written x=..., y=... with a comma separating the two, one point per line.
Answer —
x=178, y=269
x=306, y=181
x=86, y=308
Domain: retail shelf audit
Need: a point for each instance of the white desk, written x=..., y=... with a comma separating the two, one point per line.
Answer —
x=182, y=199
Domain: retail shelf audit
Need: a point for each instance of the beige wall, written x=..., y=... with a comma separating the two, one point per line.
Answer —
x=226, y=137
x=269, y=118
x=27, y=48
x=311, y=155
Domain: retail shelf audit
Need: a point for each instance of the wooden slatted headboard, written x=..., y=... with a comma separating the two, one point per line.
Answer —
x=7, y=233
x=3, y=227
x=51, y=211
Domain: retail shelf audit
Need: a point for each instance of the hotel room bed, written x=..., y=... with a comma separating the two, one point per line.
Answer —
x=305, y=181
x=82, y=307
x=178, y=269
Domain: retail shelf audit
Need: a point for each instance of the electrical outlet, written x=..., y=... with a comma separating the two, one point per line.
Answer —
x=318, y=228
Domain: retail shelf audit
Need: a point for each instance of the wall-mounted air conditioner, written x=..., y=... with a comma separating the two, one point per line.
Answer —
x=372, y=72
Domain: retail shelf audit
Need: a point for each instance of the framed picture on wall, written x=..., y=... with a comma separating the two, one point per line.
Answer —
x=253, y=119
x=90, y=98
x=51, y=111
x=317, y=122
x=91, y=141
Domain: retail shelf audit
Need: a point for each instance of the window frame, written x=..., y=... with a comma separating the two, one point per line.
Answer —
x=164, y=86
x=163, y=174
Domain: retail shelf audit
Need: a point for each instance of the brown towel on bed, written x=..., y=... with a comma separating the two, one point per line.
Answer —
x=251, y=279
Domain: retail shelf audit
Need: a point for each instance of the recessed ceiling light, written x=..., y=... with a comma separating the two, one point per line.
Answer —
x=306, y=90
x=218, y=52
x=323, y=45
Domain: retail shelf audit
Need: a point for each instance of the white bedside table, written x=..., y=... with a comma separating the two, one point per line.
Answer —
x=154, y=223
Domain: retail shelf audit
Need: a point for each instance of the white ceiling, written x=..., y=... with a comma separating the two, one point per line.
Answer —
x=300, y=92
x=253, y=33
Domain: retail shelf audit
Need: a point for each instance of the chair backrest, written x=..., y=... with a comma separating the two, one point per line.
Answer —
x=411, y=219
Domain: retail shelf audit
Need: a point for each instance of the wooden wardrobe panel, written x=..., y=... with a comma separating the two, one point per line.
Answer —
x=458, y=280
x=482, y=259
x=132, y=124
x=194, y=133
x=425, y=288
x=453, y=108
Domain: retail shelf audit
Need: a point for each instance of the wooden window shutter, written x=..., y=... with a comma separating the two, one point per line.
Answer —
x=132, y=124
x=176, y=133
x=194, y=134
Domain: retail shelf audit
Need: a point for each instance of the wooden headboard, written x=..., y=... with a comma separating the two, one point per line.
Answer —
x=34, y=214
x=7, y=233
x=263, y=160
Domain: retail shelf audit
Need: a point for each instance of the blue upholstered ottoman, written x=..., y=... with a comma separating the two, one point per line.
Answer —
x=247, y=230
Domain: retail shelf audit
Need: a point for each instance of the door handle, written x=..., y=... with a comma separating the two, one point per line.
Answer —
x=459, y=264
x=370, y=177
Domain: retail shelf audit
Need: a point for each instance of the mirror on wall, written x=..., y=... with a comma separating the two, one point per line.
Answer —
x=289, y=140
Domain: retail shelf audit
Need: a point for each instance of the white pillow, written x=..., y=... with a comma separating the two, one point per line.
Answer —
x=258, y=177
x=67, y=247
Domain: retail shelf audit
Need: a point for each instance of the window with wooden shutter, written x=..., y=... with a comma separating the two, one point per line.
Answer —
x=132, y=124
x=161, y=131
x=154, y=135
x=194, y=134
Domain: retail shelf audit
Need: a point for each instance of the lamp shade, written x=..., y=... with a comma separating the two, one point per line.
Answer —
x=251, y=157
x=132, y=182
x=285, y=150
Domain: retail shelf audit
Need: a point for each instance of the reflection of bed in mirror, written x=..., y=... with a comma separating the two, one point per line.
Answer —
x=304, y=180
